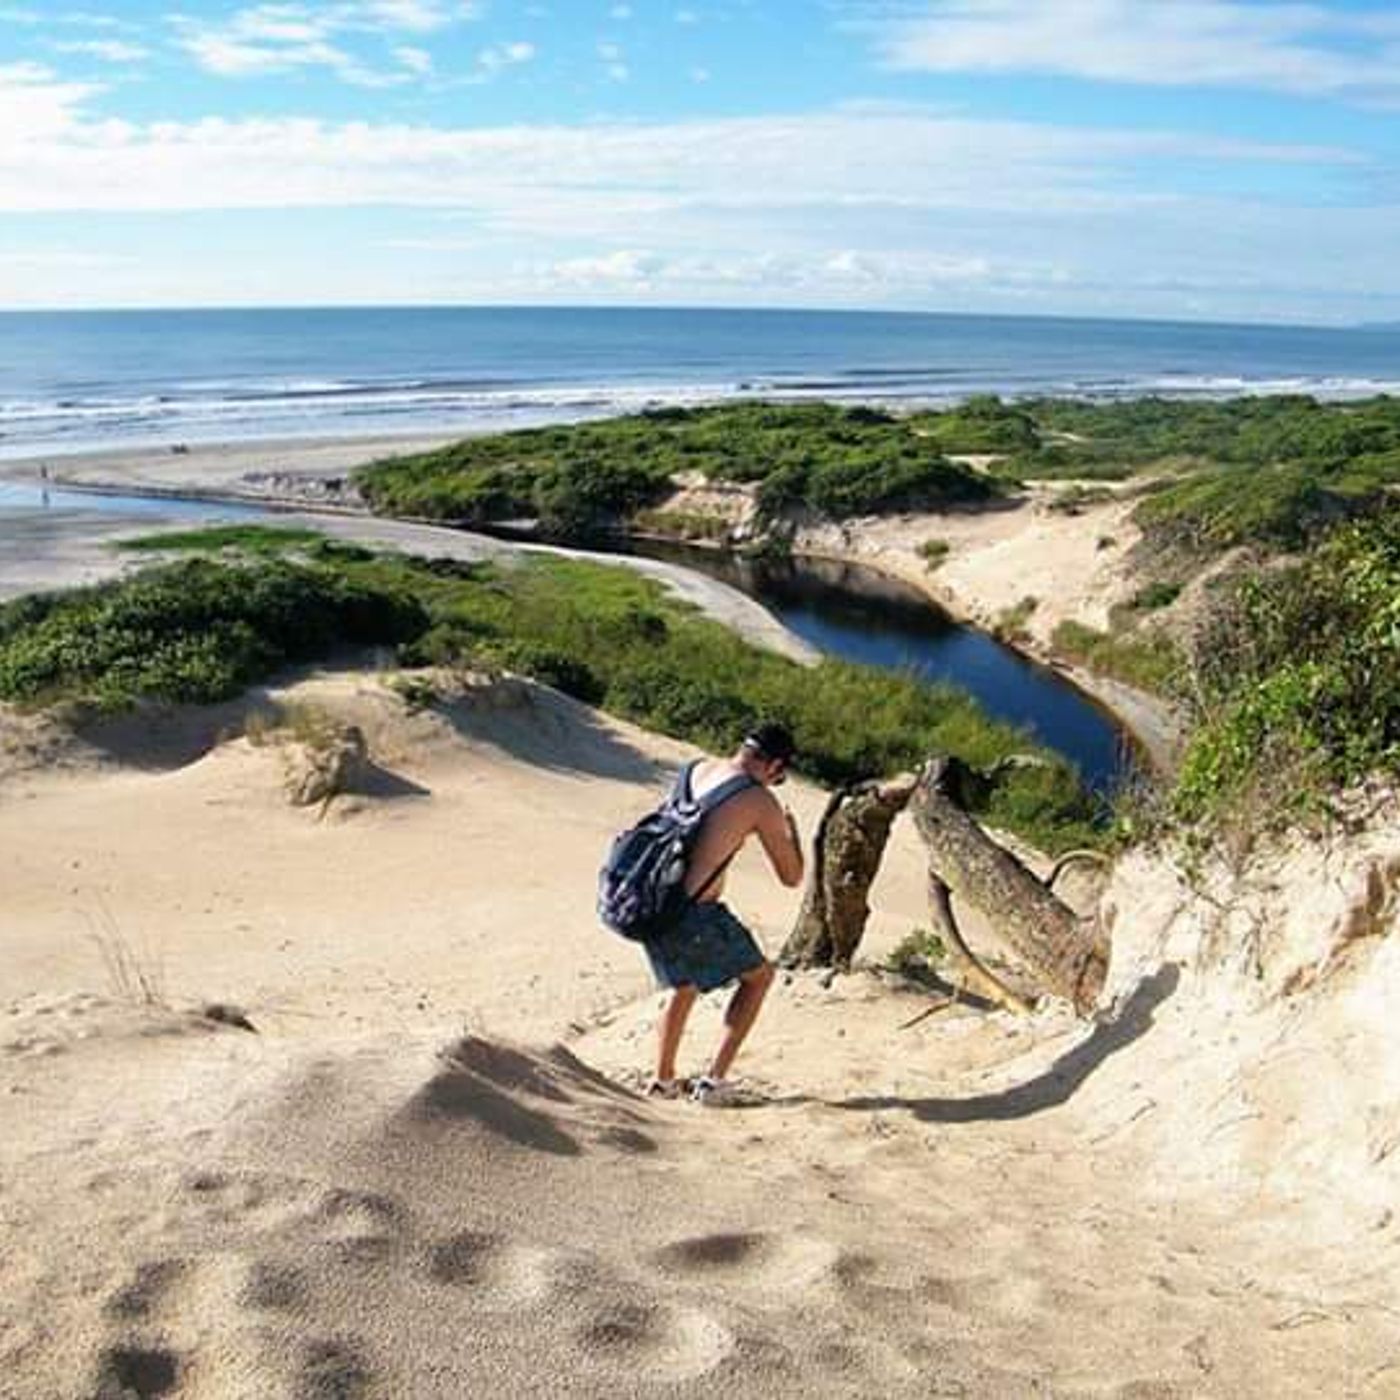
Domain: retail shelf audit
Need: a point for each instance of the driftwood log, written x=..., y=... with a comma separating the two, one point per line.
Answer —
x=846, y=852
x=1065, y=954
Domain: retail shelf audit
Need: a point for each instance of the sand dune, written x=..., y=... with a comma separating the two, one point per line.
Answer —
x=428, y=1171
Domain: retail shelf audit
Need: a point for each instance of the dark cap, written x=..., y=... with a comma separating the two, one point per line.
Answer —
x=771, y=741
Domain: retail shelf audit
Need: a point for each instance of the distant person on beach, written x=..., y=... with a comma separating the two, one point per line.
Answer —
x=707, y=947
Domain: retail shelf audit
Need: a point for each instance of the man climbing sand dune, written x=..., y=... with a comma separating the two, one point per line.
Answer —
x=704, y=946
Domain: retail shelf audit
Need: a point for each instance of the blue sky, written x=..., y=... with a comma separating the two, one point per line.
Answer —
x=1174, y=158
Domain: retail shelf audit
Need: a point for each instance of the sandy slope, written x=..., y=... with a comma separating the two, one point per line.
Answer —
x=428, y=1173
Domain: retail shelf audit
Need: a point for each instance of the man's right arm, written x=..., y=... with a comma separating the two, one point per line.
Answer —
x=781, y=843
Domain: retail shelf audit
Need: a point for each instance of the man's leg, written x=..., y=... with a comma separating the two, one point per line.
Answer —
x=741, y=1014
x=671, y=1029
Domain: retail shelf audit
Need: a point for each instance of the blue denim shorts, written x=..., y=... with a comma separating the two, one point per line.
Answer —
x=705, y=948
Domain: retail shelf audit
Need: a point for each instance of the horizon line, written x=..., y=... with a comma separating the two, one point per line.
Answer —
x=135, y=309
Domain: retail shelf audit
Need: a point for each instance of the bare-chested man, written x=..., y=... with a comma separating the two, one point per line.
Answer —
x=708, y=947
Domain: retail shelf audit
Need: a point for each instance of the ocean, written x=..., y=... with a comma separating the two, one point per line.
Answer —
x=79, y=381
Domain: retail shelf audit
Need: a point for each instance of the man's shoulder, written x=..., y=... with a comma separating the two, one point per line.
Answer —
x=753, y=801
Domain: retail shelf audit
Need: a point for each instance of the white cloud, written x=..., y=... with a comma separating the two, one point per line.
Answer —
x=699, y=75
x=415, y=60
x=492, y=60
x=109, y=50
x=620, y=12
x=626, y=265
x=611, y=53
x=52, y=157
x=1304, y=49
x=818, y=273
x=35, y=105
x=281, y=38
x=419, y=16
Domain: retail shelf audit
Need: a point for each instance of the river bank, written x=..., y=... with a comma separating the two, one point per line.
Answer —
x=992, y=552
x=68, y=545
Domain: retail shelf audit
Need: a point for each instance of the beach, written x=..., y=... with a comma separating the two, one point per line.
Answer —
x=420, y=1163
x=347, y=1100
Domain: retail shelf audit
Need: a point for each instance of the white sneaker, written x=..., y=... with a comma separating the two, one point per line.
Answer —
x=720, y=1093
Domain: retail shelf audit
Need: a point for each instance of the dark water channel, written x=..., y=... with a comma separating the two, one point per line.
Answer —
x=860, y=615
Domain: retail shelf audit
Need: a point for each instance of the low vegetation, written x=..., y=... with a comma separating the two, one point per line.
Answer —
x=1297, y=679
x=1146, y=658
x=205, y=627
x=1011, y=623
x=917, y=958
x=198, y=630
x=582, y=477
x=245, y=539
x=978, y=426
x=1276, y=471
x=934, y=552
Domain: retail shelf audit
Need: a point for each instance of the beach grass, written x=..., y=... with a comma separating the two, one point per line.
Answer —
x=204, y=628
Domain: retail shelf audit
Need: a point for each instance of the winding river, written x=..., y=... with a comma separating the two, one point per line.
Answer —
x=858, y=614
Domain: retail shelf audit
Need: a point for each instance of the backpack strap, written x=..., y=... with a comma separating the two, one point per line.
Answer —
x=731, y=787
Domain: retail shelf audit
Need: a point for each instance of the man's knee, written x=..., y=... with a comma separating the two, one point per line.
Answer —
x=760, y=976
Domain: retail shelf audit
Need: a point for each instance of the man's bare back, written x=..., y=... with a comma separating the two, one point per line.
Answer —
x=731, y=824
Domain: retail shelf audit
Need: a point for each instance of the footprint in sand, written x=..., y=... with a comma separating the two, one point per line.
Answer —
x=361, y=1227
x=145, y=1294
x=768, y=1261
x=130, y=1371
x=272, y=1287
x=503, y=1272
x=333, y=1368
x=657, y=1341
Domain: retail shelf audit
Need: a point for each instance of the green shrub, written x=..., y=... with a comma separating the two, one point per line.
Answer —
x=1148, y=659
x=248, y=539
x=918, y=956
x=1298, y=677
x=195, y=631
x=980, y=424
x=202, y=629
x=1010, y=623
x=1160, y=594
x=579, y=478
x=934, y=552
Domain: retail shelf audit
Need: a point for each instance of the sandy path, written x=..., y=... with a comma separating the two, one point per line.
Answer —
x=356, y=1201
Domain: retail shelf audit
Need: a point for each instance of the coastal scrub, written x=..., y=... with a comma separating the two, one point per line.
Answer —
x=202, y=629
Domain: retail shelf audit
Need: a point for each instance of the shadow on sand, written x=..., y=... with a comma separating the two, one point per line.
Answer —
x=548, y=730
x=1058, y=1083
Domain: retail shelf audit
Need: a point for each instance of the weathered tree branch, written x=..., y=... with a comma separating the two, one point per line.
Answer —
x=976, y=977
x=1067, y=954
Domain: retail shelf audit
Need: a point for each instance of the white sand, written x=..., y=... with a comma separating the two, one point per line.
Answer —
x=356, y=1201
